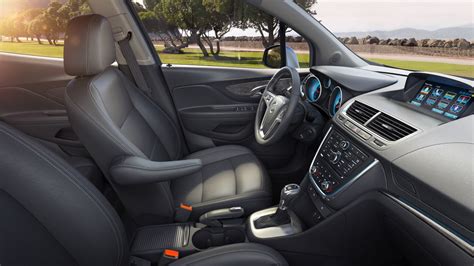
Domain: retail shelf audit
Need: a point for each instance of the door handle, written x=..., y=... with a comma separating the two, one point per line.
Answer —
x=257, y=91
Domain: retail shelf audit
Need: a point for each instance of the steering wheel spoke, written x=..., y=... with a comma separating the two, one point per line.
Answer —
x=275, y=109
x=268, y=97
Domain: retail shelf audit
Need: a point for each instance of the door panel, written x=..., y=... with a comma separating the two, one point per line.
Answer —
x=32, y=100
x=216, y=107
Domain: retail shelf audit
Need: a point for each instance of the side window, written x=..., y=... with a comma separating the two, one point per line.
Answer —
x=37, y=27
x=215, y=32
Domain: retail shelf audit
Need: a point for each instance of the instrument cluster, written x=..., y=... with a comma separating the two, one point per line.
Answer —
x=323, y=92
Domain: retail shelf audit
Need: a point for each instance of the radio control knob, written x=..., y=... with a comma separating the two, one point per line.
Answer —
x=334, y=157
x=345, y=145
x=326, y=186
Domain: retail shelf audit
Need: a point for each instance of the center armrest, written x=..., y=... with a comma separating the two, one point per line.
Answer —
x=133, y=170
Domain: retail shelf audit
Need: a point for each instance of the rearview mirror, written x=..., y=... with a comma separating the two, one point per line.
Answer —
x=272, y=57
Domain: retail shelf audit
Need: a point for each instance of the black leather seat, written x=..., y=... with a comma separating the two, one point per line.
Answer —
x=137, y=145
x=51, y=215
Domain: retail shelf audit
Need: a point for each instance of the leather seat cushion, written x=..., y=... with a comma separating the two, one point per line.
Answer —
x=237, y=254
x=230, y=176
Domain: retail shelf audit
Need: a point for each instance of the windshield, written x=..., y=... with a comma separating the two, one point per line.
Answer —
x=436, y=36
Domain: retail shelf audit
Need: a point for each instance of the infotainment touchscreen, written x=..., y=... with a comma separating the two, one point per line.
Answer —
x=442, y=99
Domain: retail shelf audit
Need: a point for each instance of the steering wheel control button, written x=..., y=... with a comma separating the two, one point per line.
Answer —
x=336, y=163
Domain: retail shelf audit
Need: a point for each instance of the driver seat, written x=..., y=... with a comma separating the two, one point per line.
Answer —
x=138, y=146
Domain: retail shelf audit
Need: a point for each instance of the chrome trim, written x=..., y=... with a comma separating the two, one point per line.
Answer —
x=330, y=83
x=330, y=102
x=441, y=229
x=291, y=228
x=346, y=185
x=303, y=87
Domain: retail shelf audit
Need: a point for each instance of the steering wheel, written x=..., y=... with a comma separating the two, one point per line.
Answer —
x=275, y=110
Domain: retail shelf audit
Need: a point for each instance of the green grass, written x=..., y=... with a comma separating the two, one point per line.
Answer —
x=453, y=69
x=236, y=59
x=193, y=56
x=32, y=48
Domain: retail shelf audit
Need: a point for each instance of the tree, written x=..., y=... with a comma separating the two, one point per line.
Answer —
x=220, y=21
x=190, y=16
x=150, y=21
x=150, y=4
x=38, y=27
x=267, y=25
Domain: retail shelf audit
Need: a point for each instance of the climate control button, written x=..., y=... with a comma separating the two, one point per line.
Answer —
x=344, y=145
x=334, y=157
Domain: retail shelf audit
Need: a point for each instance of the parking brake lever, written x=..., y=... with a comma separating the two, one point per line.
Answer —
x=212, y=218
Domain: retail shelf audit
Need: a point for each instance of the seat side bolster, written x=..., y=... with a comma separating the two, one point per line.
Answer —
x=134, y=170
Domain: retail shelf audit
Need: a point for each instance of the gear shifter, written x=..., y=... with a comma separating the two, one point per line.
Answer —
x=280, y=217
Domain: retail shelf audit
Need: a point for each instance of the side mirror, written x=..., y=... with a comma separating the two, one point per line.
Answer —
x=272, y=57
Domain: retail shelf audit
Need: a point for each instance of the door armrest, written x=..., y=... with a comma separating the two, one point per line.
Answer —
x=133, y=170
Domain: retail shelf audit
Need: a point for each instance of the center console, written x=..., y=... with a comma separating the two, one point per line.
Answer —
x=338, y=163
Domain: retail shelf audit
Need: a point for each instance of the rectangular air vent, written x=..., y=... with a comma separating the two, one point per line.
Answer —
x=390, y=128
x=361, y=112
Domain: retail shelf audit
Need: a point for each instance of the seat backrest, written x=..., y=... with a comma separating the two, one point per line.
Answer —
x=51, y=215
x=113, y=118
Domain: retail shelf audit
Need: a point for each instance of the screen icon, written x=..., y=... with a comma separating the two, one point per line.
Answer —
x=443, y=104
x=437, y=92
x=436, y=110
x=420, y=97
x=449, y=95
x=450, y=115
x=426, y=90
x=456, y=108
x=431, y=100
x=463, y=99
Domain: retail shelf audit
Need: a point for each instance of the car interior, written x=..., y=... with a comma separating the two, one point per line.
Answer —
x=109, y=157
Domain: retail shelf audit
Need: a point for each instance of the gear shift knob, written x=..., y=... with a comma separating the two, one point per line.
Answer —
x=288, y=193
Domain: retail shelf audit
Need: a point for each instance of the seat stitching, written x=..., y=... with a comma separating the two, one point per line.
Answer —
x=98, y=126
x=126, y=116
x=107, y=117
x=153, y=149
x=44, y=154
x=177, y=132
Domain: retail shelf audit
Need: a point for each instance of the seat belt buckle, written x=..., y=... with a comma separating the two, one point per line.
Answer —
x=183, y=212
x=168, y=257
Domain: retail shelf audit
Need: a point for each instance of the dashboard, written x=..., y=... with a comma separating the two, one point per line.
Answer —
x=407, y=135
x=329, y=87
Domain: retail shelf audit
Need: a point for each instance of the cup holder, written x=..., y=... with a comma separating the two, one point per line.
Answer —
x=214, y=237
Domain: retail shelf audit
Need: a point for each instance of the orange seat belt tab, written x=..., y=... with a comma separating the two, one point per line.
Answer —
x=183, y=212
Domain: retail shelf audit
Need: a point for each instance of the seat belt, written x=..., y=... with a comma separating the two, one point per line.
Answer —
x=137, y=74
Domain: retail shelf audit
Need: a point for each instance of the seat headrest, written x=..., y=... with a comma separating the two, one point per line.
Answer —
x=89, y=46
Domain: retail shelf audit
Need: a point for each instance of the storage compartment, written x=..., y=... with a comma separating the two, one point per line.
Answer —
x=213, y=237
x=150, y=241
